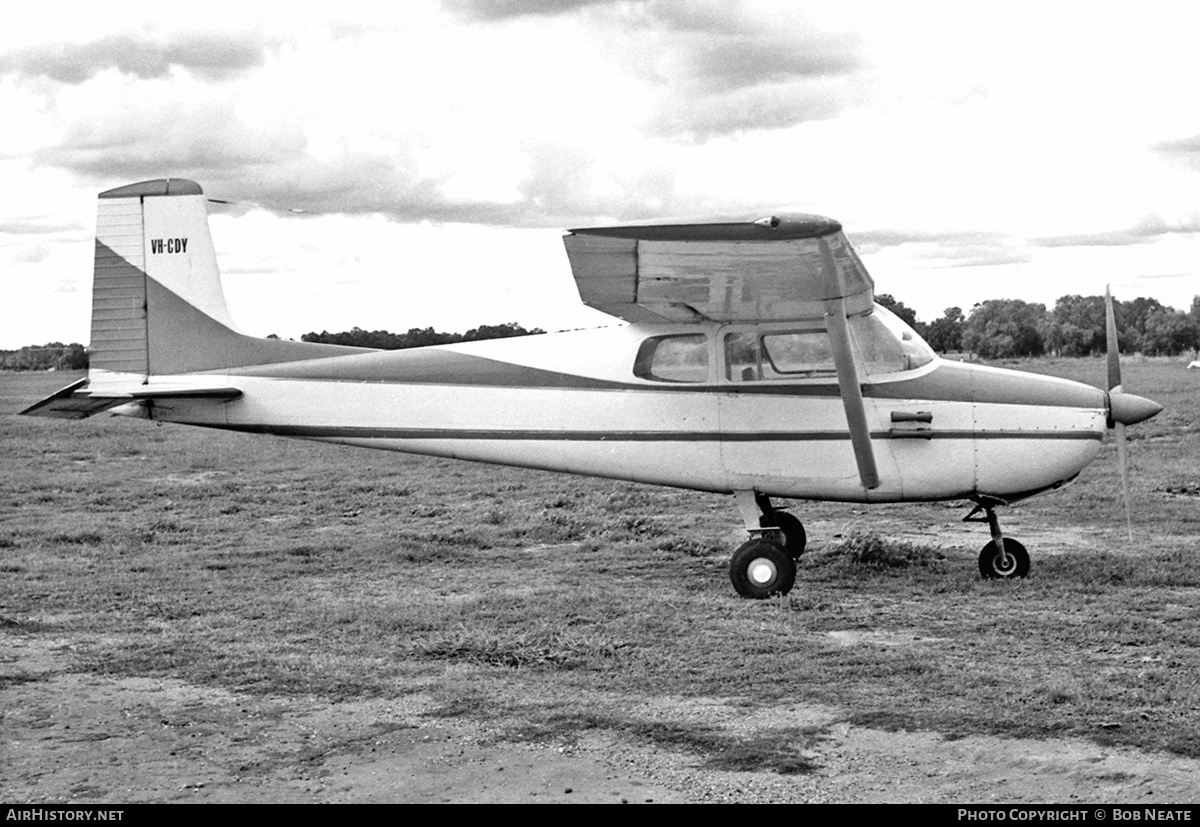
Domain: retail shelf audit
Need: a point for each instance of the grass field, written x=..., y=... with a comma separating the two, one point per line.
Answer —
x=549, y=605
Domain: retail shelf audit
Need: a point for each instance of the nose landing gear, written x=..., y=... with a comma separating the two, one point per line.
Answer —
x=1003, y=558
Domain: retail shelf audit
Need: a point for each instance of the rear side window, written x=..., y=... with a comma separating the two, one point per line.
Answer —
x=673, y=359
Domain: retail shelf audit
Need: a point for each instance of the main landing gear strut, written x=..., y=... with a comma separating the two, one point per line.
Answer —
x=1003, y=558
x=765, y=565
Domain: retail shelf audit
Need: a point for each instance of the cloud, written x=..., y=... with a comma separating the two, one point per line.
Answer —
x=945, y=248
x=722, y=45
x=114, y=131
x=1148, y=229
x=159, y=128
x=1185, y=149
x=277, y=166
x=228, y=169
x=31, y=254
x=300, y=121
x=722, y=70
x=210, y=55
x=488, y=10
x=708, y=115
x=710, y=69
x=376, y=185
x=1111, y=238
x=878, y=239
x=972, y=256
x=723, y=60
x=36, y=226
x=567, y=186
x=312, y=130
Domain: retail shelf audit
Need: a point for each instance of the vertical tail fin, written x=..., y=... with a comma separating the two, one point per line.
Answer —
x=153, y=249
x=157, y=303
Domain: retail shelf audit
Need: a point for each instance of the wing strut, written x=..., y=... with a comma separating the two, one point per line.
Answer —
x=847, y=373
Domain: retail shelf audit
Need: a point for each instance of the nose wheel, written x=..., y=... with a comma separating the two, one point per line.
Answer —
x=1003, y=558
x=1014, y=562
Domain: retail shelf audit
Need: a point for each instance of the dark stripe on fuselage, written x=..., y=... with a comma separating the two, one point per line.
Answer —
x=437, y=366
x=369, y=432
x=947, y=382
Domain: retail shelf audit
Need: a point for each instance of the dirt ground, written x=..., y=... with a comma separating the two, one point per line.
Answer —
x=72, y=736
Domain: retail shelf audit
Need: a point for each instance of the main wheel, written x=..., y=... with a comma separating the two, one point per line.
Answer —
x=1015, y=564
x=761, y=569
x=795, y=538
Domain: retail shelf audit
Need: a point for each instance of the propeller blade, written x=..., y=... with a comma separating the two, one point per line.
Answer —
x=1110, y=336
x=1123, y=408
x=1123, y=464
x=1114, y=389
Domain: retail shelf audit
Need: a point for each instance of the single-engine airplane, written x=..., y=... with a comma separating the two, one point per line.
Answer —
x=753, y=361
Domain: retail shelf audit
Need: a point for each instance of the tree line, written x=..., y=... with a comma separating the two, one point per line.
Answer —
x=994, y=329
x=50, y=356
x=57, y=356
x=417, y=337
x=1005, y=328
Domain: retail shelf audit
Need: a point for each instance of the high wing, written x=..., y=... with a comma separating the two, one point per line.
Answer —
x=772, y=268
x=776, y=268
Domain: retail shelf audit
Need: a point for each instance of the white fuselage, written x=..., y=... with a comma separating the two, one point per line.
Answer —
x=571, y=402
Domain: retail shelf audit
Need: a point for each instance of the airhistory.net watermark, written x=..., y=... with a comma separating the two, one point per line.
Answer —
x=65, y=814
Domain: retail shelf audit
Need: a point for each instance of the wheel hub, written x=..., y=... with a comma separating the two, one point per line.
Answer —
x=762, y=571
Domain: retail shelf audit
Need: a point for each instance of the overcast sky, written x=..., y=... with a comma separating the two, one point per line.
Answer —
x=438, y=150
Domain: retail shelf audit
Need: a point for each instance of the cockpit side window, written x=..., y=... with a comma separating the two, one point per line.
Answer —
x=682, y=358
x=803, y=353
x=882, y=344
x=793, y=354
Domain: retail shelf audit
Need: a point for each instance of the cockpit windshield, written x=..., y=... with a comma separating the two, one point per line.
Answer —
x=885, y=344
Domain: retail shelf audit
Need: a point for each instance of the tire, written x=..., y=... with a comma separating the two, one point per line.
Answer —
x=762, y=569
x=1018, y=561
x=795, y=538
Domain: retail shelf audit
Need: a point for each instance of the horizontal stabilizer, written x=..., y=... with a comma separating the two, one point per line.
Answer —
x=65, y=405
x=77, y=402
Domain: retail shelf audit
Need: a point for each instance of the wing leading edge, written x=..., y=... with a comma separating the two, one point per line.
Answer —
x=776, y=268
